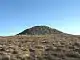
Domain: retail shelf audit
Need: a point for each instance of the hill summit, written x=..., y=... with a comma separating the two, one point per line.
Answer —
x=40, y=30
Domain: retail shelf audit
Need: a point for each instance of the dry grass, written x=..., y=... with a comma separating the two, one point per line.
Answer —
x=40, y=47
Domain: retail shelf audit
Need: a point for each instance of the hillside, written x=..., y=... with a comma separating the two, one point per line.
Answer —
x=50, y=46
x=39, y=30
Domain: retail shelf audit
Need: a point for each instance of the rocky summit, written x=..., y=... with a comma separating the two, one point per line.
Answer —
x=40, y=43
x=39, y=30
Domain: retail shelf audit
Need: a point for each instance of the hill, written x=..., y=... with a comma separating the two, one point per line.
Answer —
x=40, y=30
x=40, y=45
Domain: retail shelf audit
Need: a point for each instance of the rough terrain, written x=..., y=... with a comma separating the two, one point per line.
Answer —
x=57, y=46
x=40, y=47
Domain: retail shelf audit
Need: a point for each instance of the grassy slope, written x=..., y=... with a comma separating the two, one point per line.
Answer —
x=40, y=47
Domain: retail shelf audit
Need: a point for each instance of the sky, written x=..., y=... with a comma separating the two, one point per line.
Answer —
x=18, y=15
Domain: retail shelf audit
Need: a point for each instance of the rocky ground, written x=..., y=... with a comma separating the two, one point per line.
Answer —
x=40, y=47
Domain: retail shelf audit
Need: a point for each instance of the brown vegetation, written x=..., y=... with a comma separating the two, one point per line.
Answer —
x=57, y=46
x=40, y=47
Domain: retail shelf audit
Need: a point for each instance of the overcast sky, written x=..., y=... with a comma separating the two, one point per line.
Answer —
x=17, y=15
